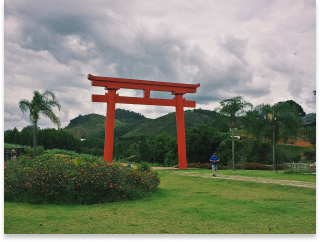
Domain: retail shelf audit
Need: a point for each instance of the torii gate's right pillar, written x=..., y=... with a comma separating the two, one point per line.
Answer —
x=181, y=135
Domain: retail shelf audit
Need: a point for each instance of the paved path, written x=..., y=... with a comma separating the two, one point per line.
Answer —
x=253, y=179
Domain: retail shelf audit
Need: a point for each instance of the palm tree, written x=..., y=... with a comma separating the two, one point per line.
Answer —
x=233, y=108
x=282, y=119
x=40, y=103
x=257, y=121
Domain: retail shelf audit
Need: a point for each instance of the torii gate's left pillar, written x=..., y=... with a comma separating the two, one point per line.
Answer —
x=110, y=119
x=181, y=135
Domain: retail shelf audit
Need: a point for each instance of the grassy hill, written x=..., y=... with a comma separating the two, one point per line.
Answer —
x=89, y=125
x=131, y=124
x=167, y=124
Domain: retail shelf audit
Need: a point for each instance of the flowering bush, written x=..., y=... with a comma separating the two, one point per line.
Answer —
x=70, y=179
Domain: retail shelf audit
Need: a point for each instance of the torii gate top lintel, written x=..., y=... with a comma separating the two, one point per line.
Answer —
x=113, y=84
x=117, y=83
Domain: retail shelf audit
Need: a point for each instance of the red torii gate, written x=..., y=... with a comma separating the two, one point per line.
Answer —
x=113, y=84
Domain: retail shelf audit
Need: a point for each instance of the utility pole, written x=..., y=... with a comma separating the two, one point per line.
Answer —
x=273, y=143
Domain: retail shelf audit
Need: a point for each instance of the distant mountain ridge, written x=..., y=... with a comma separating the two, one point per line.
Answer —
x=309, y=118
x=131, y=124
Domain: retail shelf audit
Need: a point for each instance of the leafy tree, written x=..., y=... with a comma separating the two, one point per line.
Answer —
x=159, y=146
x=118, y=151
x=296, y=108
x=281, y=119
x=41, y=103
x=93, y=143
x=128, y=116
x=256, y=121
x=25, y=137
x=201, y=143
x=144, y=153
x=133, y=151
x=165, y=149
x=233, y=108
x=226, y=157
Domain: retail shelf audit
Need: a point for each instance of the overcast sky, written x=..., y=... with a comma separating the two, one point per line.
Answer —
x=263, y=50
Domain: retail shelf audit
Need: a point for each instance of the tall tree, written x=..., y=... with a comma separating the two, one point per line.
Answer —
x=297, y=108
x=256, y=121
x=233, y=108
x=276, y=121
x=41, y=103
x=144, y=153
x=282, y=119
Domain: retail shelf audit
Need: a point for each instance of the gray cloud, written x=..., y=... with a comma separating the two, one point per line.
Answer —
x=262, y=50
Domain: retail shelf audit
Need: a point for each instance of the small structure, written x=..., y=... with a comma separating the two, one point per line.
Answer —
x=13, y=153
x=111, y=97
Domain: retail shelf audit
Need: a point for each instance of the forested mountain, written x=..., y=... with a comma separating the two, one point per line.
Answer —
x=131, y=124
x=309, y=118
x=91, y=125
x=167, y=123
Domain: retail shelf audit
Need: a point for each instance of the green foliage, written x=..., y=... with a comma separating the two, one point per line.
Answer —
x=202, y=142
x=144, y=166
x=231, y=109
x=129, y=116
x=144, y=153
x=282, y=157
x=296, y=158
x=79, y=120
x=10, y=136
x=93, y=151
x=224, y=151
x=60, y=139
x=47, y=138
x=310, y=155
x=40, y=150
x=171, y=158
x=165, y=149
x=41, y=103
x=259, y=152
x=61, y=152
x=93, y=143
x=118, y=151
x=167, y=124
x=69, y=179
x=295, y=107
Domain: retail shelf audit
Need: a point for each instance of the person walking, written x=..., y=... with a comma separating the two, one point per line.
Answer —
x=214, y=162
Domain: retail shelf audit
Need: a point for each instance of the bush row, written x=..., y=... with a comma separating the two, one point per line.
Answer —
x=62, y=179
x=246, y=166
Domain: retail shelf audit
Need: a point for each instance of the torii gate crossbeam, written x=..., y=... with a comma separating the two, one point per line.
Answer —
x=111, y=98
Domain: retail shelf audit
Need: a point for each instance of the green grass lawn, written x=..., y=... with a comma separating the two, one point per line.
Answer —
x=261, y=173
x=182, y=205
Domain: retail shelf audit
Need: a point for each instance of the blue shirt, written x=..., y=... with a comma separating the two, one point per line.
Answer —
x=214, y=160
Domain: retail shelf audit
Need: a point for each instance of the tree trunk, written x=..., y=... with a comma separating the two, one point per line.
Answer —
x=34, y=138
x=233, y=149
x=273, y=150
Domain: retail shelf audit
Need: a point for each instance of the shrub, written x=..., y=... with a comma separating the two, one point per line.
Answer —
x=61, y=179
x=296, y=158
x=144, y=166
x=40, y=151
x=193, y=165
x=206, y=166
x=310, y=155
x=93, y=151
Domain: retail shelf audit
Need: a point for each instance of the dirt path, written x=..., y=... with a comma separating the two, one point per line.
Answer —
x=253, y=179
